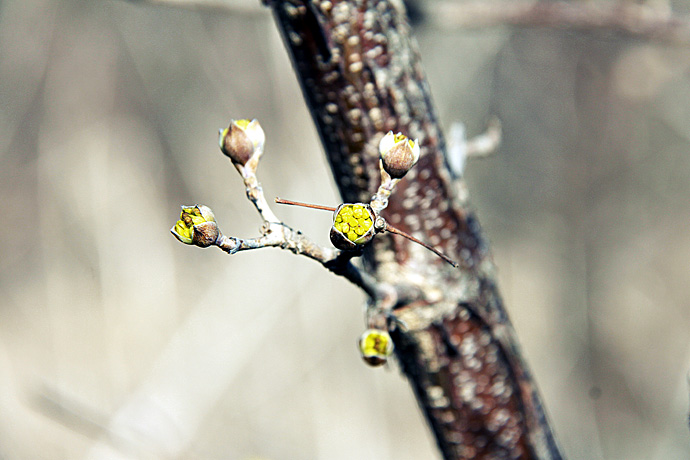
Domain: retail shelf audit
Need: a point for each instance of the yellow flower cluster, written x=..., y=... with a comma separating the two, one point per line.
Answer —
x=353, y=221
x=189, y=217
x=376, y=346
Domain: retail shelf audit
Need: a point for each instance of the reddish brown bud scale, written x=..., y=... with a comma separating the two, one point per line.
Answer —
x=398, y=154
x=243, y=142
x=205, y=234
x=236, y=145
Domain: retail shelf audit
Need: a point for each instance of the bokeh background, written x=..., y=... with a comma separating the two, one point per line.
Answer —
x=117, y=342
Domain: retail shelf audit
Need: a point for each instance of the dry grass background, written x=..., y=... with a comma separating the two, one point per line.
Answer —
x=117, y=342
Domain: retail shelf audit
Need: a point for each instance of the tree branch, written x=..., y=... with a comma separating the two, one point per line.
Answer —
x=627, y=18
x=361, y=77
x=231, y=6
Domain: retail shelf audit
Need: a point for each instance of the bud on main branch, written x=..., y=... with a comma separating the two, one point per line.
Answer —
x=398, y=154
x=376, y=346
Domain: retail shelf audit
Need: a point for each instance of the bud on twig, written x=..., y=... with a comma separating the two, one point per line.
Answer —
x=243, y=141
x=355, y=224
x=352, y=226
x=197, y=226
x=398, y=154
x=376, y=346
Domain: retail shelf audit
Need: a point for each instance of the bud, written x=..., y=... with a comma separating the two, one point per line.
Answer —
x=205, y=234
x=242, y=141
x=376, y=346
x=197, y=226
x=398, y=154
x=352, y=226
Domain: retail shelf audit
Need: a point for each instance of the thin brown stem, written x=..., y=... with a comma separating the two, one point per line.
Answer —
x=305, y=205
x=391, y=229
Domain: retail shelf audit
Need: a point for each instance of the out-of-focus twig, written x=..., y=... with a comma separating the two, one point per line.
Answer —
x=231, y=6
x=68, y=410
x=624, y=17
x=460, y=148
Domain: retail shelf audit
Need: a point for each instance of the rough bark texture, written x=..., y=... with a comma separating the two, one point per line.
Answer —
x=361, y=77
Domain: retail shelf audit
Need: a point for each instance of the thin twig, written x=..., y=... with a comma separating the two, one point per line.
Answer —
x=304, y=205
x=230, y=6
x=624, y=17
x=460, y=148
x=486, y=143
x=395, y=231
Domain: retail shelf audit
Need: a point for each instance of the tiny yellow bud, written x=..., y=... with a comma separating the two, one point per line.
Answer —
x=352, y=226
x=376, y=346
x=197, y=225
x=182, y=232
x=244, y=123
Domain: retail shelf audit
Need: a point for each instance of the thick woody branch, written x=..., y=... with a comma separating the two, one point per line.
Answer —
x=624, y=17
x=361, y=77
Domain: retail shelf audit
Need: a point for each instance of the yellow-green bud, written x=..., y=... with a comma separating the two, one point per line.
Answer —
x=376, y=346
x=398, y=154
x=242, y=141
x=352, y=225
x=197, y=226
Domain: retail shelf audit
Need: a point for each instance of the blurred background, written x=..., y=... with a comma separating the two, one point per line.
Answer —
x=118, y=342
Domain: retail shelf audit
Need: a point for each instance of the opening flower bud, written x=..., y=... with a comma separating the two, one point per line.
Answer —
x=398, y=154
x=353, y=226
x=242, y=141
x=197, y=226
x=376, y=346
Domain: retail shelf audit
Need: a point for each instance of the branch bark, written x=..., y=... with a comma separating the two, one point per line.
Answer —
x=361, y=77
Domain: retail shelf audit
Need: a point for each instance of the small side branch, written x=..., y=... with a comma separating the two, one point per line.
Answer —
x=279, y=235
x=230, y=6
x=461, y=148
x=243, y=142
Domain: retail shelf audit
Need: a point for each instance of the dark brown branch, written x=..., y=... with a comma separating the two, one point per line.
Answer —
x=624, y=17
x=361, y=77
